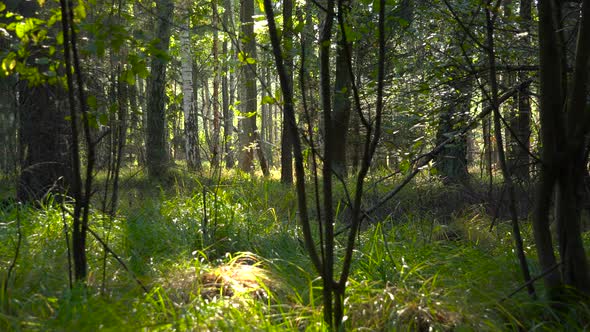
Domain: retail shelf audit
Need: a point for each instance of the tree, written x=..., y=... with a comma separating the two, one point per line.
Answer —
x=156, y=145
x=191, y=127
x=564, y=125
x=286, y=136
x=44, y=154
x=228, y=119
x=216, y=116
x=451, y=162
x=341, y=101
x=334, y=290
x=249, y=137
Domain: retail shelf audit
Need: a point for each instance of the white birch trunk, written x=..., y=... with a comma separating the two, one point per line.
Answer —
x=188, y=107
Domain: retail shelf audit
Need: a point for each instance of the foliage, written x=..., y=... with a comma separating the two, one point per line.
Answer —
x=411, y=273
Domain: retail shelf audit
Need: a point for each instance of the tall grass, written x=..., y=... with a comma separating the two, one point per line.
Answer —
x=192, y=241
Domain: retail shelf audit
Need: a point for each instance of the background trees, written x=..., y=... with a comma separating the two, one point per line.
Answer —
x=488, y=98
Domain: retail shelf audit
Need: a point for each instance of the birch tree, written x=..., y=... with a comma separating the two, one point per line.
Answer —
x=191, y=128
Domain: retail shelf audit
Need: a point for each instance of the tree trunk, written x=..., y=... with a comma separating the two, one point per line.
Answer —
x=227, y=89
x=248, y=134
x=156, y=147
x=191, y=135
x=342, y=106
x=43, y=139
x=286, y=136
x=451, y=162
x=551, y=99
x=569, y=183
x=216, y=116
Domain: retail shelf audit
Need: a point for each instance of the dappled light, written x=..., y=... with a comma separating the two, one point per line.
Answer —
x=309, y=165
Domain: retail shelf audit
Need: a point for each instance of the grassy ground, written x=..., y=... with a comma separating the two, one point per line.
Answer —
x=228, y=257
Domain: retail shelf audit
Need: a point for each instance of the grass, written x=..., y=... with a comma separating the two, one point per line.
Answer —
x=229, y=258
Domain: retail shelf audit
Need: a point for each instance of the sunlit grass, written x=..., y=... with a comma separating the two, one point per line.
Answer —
x=227, y=255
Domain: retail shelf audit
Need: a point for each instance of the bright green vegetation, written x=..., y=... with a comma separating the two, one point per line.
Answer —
x=411, y=272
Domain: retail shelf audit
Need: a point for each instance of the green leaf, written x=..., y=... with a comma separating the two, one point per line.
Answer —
x=242, y=57
x=20, y=30
x=260, y=5
x=128, y=76
x=103, y=119
x=299, y=27
x=404, y=166
x=250, y=61
x=80, y=11
x=8, y=64
x=268, y=100
x=2, y=6
x=91, y=102
x=92, y=121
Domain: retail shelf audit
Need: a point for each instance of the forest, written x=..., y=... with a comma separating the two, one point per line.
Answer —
x=299, y=165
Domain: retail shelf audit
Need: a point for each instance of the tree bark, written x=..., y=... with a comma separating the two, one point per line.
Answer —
x=191, y=135
x=451, y=162
x=227, y=89
x=551, y=101
x=342, y=105
x=216, y=116
x=156, y=146
x=45, y=159
x=248, y=132
x=286, y=136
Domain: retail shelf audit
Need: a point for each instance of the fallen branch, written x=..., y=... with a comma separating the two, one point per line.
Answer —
x=526, y=284
x=110, y=251
x=427, y=157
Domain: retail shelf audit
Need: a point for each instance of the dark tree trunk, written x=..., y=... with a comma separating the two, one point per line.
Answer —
x=43, y=133
x=519, y=160
x=43, y=136
x=451, y=162
x=563, y=154
x=156, y=146
x=249, y=137
x=286, y=136
x=342, y=107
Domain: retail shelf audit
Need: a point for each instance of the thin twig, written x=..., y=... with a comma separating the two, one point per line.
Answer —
x=17, y=250
x=531, y=281
x=109, y=250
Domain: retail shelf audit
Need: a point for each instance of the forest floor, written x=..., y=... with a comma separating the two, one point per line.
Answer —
x=226, y=255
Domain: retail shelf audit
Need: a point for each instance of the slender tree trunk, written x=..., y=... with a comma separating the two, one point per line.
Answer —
x=215, y=150
x=502, y=156
x=206, y=112
x=249, y=136
x=135, y=125
x=342, y=105
x=328, y=212
x=225, y=89
x=191, y=135
x=286, y=136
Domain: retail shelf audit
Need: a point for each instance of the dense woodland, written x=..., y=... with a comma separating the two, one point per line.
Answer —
x=294, y=165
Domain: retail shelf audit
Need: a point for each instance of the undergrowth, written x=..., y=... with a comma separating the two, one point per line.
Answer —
x=228, y=256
